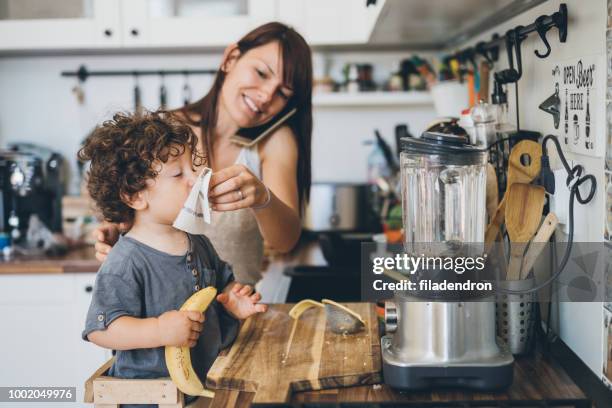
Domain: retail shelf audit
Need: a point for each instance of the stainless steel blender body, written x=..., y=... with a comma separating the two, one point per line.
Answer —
x=438, y=340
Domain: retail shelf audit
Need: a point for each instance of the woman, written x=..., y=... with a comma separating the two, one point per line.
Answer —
x=258, y=193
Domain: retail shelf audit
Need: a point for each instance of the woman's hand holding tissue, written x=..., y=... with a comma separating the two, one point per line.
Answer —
x=240, y=301
x=236, y=187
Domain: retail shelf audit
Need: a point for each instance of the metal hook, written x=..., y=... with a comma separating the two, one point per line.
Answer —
x=517, y=44
x=513, y=43
x=509, y=45
x=480, y=49
x=542, y=30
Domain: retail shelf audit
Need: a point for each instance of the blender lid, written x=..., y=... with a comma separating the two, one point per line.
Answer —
x=440, y=143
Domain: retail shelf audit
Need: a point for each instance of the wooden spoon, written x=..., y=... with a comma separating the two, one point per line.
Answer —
x=537, y=243
x=492, y=194
x=517, y=173
x=485, y=70
x=523, y=215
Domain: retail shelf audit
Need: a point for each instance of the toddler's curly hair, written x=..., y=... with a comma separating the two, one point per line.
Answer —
x=126, y=151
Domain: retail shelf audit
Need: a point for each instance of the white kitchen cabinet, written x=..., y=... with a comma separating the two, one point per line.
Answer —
x=192, y=23
x=322, y=22
x=113, y=24
x=42, y=316
x=61, y=24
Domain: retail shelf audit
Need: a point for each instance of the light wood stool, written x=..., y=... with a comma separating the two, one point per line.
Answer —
x=110, y=392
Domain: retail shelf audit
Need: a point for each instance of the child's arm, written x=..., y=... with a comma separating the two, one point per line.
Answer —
x=173, y=328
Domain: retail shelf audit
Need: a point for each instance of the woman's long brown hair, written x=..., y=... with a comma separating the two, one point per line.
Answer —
x=297, y=71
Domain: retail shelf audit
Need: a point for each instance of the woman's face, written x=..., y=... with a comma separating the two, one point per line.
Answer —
x=253, y=91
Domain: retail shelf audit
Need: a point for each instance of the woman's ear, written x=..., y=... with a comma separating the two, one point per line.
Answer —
x=136, y=201
x=230, y=56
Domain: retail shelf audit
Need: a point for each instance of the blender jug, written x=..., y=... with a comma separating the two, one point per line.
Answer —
x=443, y=181
x=435, y=338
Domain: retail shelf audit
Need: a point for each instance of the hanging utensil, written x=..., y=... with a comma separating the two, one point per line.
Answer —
x=186, y=91
x=471, y=88
x=485, y=70
x=523, y=214
x=492, y=191
x=78, y=92
x=523, y=167
x=137, y=96
x=163, y=93
x=538, y=242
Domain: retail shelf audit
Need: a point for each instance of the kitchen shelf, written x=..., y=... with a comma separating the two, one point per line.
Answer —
x=411, y=98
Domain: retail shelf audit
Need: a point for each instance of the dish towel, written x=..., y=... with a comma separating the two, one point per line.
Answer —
x=195, y=213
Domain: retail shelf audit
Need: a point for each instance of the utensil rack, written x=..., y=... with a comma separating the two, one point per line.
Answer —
x=83, y=73
x=490, y=49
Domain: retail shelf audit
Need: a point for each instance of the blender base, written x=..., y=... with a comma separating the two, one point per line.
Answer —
x=477, y=375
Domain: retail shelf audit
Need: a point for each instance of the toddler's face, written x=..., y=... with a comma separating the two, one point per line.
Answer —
x=167, y=193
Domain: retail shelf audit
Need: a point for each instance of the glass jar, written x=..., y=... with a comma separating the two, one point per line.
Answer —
x=484, y=116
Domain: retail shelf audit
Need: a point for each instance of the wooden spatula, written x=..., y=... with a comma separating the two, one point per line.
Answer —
x=492, y=194
x=523, y=215
x=537, y=243
x=531, y=153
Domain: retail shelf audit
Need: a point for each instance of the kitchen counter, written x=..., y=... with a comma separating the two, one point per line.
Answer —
x=77, y=260
x=536, y=377
x=83, y=260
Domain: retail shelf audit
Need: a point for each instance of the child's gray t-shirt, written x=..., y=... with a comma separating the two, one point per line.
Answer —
x=140, y=281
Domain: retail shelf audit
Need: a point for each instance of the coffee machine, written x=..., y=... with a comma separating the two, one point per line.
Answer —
x=31, y=182
x=438, y=339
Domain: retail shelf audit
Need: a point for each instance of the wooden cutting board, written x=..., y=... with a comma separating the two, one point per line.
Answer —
x=317, y=358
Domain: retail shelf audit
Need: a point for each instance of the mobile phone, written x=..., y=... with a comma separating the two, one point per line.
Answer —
x=251, y=136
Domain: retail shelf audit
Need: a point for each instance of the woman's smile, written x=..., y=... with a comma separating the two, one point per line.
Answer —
x=251, y=105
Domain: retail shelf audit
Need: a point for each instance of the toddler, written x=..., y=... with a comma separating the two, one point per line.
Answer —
x=142, y=170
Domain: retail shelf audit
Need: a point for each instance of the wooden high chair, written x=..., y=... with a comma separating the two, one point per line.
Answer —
x=110, y=392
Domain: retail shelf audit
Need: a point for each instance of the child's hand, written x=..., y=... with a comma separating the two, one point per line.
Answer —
x=180, y=328
x=240, y=301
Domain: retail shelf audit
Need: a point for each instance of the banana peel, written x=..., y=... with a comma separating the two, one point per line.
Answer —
x=299, y=308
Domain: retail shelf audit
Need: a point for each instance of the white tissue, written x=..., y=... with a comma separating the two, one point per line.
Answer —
x=195, y=213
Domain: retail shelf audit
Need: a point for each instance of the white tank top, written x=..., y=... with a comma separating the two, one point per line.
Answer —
x=235, y=234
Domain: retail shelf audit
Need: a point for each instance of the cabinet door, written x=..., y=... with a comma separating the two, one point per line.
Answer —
x=37, y=325
x=42, y=317
x=322, y=22
x=58, y=24
x=192, y=23
x=88, y=356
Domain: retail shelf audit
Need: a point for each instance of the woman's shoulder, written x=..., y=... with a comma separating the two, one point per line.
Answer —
x=280, y=143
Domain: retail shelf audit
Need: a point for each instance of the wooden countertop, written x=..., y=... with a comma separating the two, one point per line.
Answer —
x=77, y=260
x=83, y=260
x=536, y=377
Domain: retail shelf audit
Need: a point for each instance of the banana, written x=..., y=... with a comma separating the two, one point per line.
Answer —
x=178, y=359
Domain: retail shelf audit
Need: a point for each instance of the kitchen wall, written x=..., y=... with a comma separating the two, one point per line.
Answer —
x=580, y=324
x=38, y=105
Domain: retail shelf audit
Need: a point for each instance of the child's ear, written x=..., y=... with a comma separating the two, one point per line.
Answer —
x=230, y=56
x=136, y=201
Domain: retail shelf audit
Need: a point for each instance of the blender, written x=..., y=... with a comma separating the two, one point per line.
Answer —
x=439, y=338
